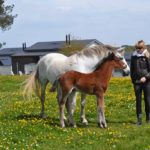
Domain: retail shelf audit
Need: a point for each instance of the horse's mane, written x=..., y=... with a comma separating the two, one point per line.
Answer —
x=103, y=61
x=98, y=50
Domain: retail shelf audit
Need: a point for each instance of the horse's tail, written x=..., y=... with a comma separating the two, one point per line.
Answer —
x=32, y=84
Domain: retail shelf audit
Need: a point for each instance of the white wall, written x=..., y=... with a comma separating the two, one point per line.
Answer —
x=5, y=70
x=29, y=68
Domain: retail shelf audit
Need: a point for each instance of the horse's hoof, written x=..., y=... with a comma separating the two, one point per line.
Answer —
x=72, y=125
x=102, y=125
x=52, y=89
x=85, y=123
x=42, y=116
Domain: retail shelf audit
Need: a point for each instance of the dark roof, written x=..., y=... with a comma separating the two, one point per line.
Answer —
x=1, y=64
x=46, y=46
x=42, y=48
x=56, y=45
x=5, y=61
x=9, y=51
x=30, y=54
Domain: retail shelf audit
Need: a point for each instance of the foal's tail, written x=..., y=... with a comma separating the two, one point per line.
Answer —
x=32, y=84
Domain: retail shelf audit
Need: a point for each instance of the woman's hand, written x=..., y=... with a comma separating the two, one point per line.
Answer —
x=143, y=80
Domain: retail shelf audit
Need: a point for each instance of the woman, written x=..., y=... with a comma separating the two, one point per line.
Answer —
x=140, y=75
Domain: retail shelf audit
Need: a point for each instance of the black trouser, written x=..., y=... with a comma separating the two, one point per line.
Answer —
x=138, y=88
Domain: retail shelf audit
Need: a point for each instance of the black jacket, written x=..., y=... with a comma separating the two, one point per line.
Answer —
x=140, y=67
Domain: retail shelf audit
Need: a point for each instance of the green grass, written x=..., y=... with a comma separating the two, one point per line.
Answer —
x=21, y=128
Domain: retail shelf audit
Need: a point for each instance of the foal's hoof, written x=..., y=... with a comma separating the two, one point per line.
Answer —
x=102, y=125
x=62, y=125
x=65, y=121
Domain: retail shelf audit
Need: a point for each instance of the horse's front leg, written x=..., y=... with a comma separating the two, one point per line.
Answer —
x=82, y=114
x=100, y=109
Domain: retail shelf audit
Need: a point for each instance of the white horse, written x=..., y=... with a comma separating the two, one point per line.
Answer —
x=51, y=66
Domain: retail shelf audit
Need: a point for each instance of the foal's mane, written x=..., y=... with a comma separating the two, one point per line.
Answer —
x=99, y=50
x=100, y=64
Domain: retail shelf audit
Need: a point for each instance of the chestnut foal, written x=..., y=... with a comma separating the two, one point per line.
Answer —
x=94, y=83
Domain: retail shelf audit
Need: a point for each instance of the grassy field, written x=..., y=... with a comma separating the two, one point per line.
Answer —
x=21, y=128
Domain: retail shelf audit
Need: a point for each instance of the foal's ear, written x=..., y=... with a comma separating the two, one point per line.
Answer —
x=109, y=53
x=112, y=54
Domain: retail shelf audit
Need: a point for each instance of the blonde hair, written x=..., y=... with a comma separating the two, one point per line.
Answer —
x=140, y=45
x=147, y=54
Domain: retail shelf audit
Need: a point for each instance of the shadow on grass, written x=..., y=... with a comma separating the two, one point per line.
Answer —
x=54, y=121
x=46, y=120
x=121, y=121
x=112, y=121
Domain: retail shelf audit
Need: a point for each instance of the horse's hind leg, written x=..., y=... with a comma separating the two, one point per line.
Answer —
x=43, y=88
x=59, y=97
x=82, y=115
x=62, y=107
x=70, y=106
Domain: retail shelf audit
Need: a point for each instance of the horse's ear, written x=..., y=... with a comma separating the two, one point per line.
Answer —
x=111, y=48
x=121, y=50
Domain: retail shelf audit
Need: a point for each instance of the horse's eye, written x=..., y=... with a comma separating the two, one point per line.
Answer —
x=121, y=58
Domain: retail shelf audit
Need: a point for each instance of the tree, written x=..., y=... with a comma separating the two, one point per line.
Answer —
x=72, y=47
x=2, y=44
x=6, y=16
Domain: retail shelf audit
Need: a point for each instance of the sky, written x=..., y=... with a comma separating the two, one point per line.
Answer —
x=115, y=22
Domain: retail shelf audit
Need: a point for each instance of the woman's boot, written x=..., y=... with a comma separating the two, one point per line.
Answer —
x=139, y=119
x=148, y=118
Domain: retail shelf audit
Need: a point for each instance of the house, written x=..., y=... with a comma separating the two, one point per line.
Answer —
x=6, y=60
x=23, y=60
